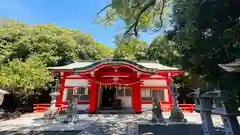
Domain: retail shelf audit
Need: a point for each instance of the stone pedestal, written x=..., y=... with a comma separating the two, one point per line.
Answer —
x=72, y=108
x=52, y=112
x=205, y=112
x=176, y=113
x=227, y=109
x=231, y=126
x=204, y=107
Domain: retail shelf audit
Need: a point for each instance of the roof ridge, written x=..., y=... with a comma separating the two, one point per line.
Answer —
x=85, y=60
x=147, y=61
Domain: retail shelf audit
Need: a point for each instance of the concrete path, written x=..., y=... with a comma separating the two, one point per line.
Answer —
x=98, y=124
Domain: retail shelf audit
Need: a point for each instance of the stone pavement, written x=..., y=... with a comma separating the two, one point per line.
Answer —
x=100, y=124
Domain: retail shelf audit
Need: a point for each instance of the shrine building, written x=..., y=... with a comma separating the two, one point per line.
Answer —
x=132, y=84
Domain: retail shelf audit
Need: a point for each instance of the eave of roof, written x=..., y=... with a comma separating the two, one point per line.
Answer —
x=83, y=65
x=232, y=66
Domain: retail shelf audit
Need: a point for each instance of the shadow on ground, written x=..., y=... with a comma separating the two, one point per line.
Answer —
x=174, y=129
x=48, y=128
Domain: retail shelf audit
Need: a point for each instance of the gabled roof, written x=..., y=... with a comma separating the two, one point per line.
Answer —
x=84, y=65
x=232, y=66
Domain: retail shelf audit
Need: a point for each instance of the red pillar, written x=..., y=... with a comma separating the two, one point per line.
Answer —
x=170, y=96
x=93, y=95
x=136, y=97
x=97, y=90
x=61, y=89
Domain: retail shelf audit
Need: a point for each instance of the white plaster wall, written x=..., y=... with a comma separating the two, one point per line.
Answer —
x=82, y=106
x=64, y=98
x=126, y=101
x=154, y=82
x=76, y=82
x=166, y=95
x=146, y=106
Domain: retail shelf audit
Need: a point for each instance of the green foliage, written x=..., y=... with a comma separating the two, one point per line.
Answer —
x=165, y=51
x=105, y=52
x=131, y=50
x=207, y=37
x=137, y=14
x=56, y=46
x=24, y=78
x=26, y=51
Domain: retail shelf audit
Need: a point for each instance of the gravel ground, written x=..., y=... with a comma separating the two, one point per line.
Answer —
x=104, y=124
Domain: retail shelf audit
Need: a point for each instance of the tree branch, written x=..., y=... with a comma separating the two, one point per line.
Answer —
x=103, y=9
x=134, y=25
x=161, y=14
x=98, y=13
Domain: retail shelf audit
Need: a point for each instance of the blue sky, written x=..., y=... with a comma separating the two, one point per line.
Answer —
x=73, y=14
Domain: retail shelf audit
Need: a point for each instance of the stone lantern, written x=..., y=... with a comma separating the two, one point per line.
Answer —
x=227, y=108
x=72, y=107
x=203, y=106
x=2, y=93
x=52, y=112
x=54, y=96
x=176, y=114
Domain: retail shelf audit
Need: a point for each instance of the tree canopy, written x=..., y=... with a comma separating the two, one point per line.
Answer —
x=202, y=34
x=27, y=50
x=131, y=50
x=138, y=15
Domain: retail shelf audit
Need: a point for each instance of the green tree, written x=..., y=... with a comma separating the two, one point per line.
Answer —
x=208, y=37
x=56, y=46
x=24, y=78
x=165, y=51
x=131, y=50
x=26, y=51
x=138, y=15
x=105, y=52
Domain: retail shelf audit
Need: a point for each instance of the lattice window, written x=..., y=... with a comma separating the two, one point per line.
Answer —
x=148, y=94
x=67, y=94
x=120, y=92
x=128, y=92
x=124, y=92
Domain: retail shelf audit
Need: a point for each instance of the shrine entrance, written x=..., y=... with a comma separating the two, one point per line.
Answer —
x=108, y=97
x=131, y=82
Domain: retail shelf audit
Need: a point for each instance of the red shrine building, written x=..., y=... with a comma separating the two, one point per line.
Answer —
x=132, y=83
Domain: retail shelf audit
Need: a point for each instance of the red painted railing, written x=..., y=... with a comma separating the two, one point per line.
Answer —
x=44, y=107
x=185, y=107
x=164, y=106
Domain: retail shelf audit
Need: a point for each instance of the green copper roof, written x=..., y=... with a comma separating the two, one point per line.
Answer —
x=84, y=65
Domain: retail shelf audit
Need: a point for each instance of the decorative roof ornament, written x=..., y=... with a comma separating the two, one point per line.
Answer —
x=115, y=79
x=92, y=73
x=138, y=73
